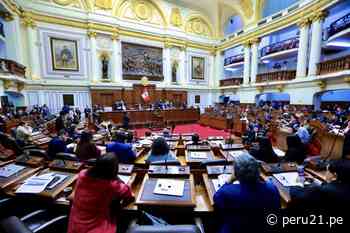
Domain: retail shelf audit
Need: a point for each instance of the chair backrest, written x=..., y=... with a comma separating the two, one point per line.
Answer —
x=169, y=162
x=215, y=162
x=37, y=152
x=164, y=229
x=67, y=156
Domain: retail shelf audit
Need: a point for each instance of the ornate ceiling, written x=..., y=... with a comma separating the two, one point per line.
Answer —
x=212, y=15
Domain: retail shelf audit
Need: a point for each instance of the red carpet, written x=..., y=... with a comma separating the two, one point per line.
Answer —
x=202, y=131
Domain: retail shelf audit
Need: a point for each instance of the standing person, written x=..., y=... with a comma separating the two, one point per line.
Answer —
x=126, y=121
x=94, y=192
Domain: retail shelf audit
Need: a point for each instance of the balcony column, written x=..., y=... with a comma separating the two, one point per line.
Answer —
x=33, y=51
x=255, y=59
x=116, y=65
x=304, y=27
x=183, y=66
x=219, y=70
x=246, y=68
x=167, y=63
x=14, y=50
x=316, y=42
x=94, y=59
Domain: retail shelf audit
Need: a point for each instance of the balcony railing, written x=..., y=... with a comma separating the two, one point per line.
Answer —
x=234, y=59
x=335, y=65
x=283, y=75
x=236, y=81
x=291, y=43
x=12, y=67
x=339, y=25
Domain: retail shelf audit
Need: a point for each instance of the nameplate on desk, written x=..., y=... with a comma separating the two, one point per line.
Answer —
x=198, y=155
x=169, y=187
x=232, y=146
x=220, y=169
x=125, y=168
x=168, y=170
x=61, y=164
x=197, y=147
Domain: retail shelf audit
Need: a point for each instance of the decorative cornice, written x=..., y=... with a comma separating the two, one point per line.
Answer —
x=322, y=84
x=115, y=34
x=6, y=16
x=304, y=22
x=92, y=34
x=28, y=20
x=319, y=16
x=255, y=41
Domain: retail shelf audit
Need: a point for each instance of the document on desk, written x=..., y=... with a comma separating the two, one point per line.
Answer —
x=221, y=180
x=10, y=170
x=235, y=153
x=124, y=178
x=199, y=155
x=288, y=179
x=170, y=187
x=34, y=184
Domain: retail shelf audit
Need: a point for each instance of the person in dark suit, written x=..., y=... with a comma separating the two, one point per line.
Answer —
x=126, y=121
x=243, y=206
x=58, y=144
x=86, y=149
x=59, y=124
x=265, y=151
x=296, y=151
x=122, y=150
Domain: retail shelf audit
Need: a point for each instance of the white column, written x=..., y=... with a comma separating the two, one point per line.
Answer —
x=316, y=42
x=33, y=51
x=14, y=49
x=255, y=60
x=94, y=59
x=183, y=67
x=219, y=68
x=116, y=62
x=246, y=68
x=167, y=65
x=211, y=66
x=302, y=50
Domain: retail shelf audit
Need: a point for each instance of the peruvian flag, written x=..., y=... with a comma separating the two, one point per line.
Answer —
x=145, y=95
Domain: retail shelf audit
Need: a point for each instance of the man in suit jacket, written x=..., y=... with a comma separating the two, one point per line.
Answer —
x=121, y=149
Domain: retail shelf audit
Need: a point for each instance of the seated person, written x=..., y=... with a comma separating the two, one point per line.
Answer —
x=304, y=134
x=23, y=133
x=296, y=150
x=243, y=207
x=314, y=147
x=122, y=150
x=94, y=191
x=265, y=151
x=160, y=151
x=58, y=144
x=86, y=149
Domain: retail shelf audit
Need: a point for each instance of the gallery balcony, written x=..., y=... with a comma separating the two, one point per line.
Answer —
x=334, y=65
x=233, y=61
x=340, y=27
x=234, y=81
x=12, y=67
x=283, y=75
x=281, y=50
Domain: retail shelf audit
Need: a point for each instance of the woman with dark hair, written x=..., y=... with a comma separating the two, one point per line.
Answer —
x=86, y=149
x=94, y=191
x=296, y=151
x=265, y=151
x=195, y=139
x=160, y=151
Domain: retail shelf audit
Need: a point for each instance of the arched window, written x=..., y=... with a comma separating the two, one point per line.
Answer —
x=274, y=6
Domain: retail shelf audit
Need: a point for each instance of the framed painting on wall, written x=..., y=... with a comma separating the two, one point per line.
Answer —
x=198, y=68
x=64, y=54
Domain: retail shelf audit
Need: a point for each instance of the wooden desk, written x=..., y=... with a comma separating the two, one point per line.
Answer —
x=217, y=122
x=271, y=168
x=197, y=161
x=143, y=117
x=147, y=198
x=23, y=174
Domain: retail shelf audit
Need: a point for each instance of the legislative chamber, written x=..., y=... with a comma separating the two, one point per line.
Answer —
x=174, y=116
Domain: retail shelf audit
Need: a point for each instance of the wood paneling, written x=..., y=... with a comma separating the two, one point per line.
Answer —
x=133, y=96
